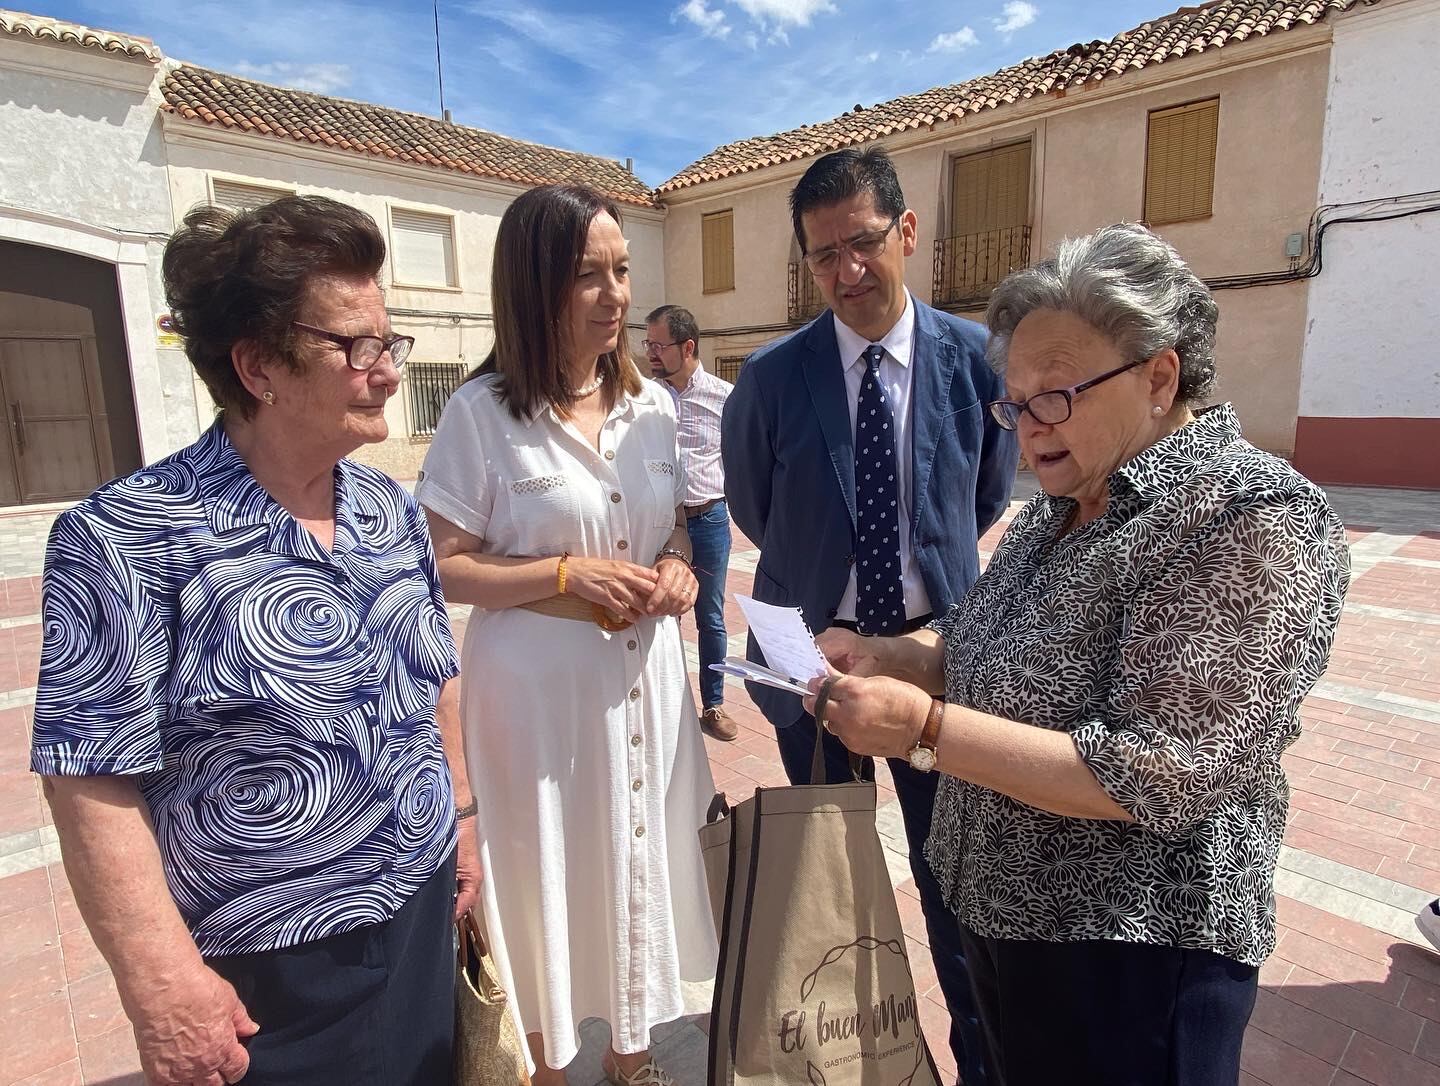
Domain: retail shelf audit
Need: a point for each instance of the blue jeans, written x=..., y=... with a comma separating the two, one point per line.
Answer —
x=710, y=554
x=916, y=793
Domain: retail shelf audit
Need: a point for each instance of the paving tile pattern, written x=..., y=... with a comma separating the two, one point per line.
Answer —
x=1351, y=995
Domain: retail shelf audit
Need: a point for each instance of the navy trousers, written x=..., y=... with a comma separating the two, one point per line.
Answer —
x=1104, y=1013
x=916, y=793
x=369, y=1007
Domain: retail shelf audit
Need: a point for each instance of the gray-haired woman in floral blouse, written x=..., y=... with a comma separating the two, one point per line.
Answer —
x=1117, y=688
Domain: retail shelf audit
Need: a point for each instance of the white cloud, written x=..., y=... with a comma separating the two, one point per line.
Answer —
x=317, y=78
x=752, y=40
x=783, y=12
x=711, y=23
x=870, y=58
x=956, y=41
x=1017, y=14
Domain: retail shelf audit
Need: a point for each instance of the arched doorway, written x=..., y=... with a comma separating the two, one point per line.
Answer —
x=65, y=389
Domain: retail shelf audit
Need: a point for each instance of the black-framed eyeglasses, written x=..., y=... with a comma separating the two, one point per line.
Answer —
x=651, y=346
x=1053, y=406
x=862, y=249
x=363, y=352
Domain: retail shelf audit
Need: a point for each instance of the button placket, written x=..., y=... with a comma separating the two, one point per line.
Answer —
x=639, y=851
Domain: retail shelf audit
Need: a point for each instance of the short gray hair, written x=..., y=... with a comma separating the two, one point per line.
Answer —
x=1129, y=285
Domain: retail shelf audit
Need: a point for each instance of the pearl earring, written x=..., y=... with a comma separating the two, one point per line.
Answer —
x=1156, y=410
x=269, y=397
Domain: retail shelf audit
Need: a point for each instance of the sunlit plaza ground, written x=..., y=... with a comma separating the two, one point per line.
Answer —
x=1351, y=995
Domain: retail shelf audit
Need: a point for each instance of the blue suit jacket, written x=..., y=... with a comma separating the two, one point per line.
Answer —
x=790, y=470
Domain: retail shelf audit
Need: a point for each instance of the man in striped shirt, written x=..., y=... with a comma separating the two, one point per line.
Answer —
x=672, y=343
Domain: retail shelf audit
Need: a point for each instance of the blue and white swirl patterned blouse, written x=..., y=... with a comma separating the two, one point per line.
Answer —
x=275, y=701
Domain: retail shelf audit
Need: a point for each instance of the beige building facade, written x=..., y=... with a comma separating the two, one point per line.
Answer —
x=1075, y=158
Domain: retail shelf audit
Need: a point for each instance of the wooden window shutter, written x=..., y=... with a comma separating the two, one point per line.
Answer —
x=239, y=196
x=717, y=251
x=1180, y=162
x=990, y=190
x=422, y=248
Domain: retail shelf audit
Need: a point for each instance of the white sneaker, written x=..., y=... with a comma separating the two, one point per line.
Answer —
x=1428, y=921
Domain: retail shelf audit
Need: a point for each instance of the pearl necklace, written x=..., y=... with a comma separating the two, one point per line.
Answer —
x=590, y=389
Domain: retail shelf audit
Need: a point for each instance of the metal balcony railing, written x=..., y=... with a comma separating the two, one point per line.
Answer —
x=805, y=300
x=968, y=267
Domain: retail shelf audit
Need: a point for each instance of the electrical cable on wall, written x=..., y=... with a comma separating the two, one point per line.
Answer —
x=1356, y=211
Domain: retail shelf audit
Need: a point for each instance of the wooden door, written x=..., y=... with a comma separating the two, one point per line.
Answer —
x=51, y=428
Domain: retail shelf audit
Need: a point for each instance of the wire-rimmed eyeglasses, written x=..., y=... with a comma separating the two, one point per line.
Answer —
x=363, y=352
x=862, y=250
x=651, y=346
x=1053, y=406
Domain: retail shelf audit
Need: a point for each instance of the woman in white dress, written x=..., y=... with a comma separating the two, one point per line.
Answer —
x=552, y=488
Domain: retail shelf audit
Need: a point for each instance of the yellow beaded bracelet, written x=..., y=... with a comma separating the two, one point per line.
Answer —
x=560, y=575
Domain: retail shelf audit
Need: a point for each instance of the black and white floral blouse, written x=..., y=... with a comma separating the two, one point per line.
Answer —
x=1173, y=638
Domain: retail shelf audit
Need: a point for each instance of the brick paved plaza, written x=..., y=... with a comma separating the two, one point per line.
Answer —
x=1351, y=995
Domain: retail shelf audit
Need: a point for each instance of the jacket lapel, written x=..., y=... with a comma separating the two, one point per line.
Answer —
x=934, y=362
x=826, y=380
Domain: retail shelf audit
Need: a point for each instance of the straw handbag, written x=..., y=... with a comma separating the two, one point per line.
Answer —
x=488, y=1049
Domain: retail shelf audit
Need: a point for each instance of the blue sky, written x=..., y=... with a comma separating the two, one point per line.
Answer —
x=662, y=82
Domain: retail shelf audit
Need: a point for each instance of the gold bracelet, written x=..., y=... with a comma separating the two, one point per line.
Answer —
x=560, y=574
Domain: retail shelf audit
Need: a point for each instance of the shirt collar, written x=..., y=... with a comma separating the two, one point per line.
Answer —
x=1159, y=469
x=234, y=501
x=898, y=342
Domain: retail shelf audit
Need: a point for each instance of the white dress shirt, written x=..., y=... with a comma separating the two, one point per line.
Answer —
x=897, y=378
x=698, y=409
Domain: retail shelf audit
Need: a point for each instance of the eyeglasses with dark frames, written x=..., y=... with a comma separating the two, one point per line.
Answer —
x=648, y=345
x=1053, y=406
x=363, y=352
x=862, y=249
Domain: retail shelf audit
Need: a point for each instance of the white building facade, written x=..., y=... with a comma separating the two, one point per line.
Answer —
x=100, y=160
x=1370, y=377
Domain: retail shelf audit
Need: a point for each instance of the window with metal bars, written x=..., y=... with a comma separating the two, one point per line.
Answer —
x=428, y=387
x=727, y=367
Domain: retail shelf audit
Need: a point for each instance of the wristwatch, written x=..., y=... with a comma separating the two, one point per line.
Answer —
x=922, y=754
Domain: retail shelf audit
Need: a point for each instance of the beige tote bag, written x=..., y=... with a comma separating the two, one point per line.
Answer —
x=813, y=984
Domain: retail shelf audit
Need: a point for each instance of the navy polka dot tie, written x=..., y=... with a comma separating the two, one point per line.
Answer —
x=879, y=599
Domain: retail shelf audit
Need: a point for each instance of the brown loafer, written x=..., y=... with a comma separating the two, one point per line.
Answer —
x=716, y=724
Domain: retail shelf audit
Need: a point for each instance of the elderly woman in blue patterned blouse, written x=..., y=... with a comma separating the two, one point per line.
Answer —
x=1115, y=692
x=236, y=718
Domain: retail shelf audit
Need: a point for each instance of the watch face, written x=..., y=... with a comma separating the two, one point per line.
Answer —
x=922, y=759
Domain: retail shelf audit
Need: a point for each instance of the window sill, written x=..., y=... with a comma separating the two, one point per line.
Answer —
x=432, y=287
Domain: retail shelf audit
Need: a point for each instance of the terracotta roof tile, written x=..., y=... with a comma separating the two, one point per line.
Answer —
x=42, y=28
x=1186, y=32
x=214, y=98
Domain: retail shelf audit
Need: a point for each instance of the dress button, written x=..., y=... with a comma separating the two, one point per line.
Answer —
x=636, y=740
x=639, y=831
x=623, y=545
x=615, y=497
x=609, y=454
x=631, y=645
x=636, y=784
x=635, y=694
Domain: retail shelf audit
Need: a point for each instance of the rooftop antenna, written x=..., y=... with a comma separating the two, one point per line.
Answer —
x=439, y=71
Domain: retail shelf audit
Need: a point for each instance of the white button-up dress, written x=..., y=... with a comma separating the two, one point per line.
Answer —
x=583, y=746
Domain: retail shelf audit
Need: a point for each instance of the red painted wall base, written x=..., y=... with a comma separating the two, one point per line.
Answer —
x=1402, y=452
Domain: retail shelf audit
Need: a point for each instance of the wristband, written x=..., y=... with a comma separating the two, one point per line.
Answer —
x=467, y=811
x=674, y=552
x=560, y=574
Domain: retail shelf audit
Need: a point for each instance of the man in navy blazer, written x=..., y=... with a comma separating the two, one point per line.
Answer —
x=860, y=456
